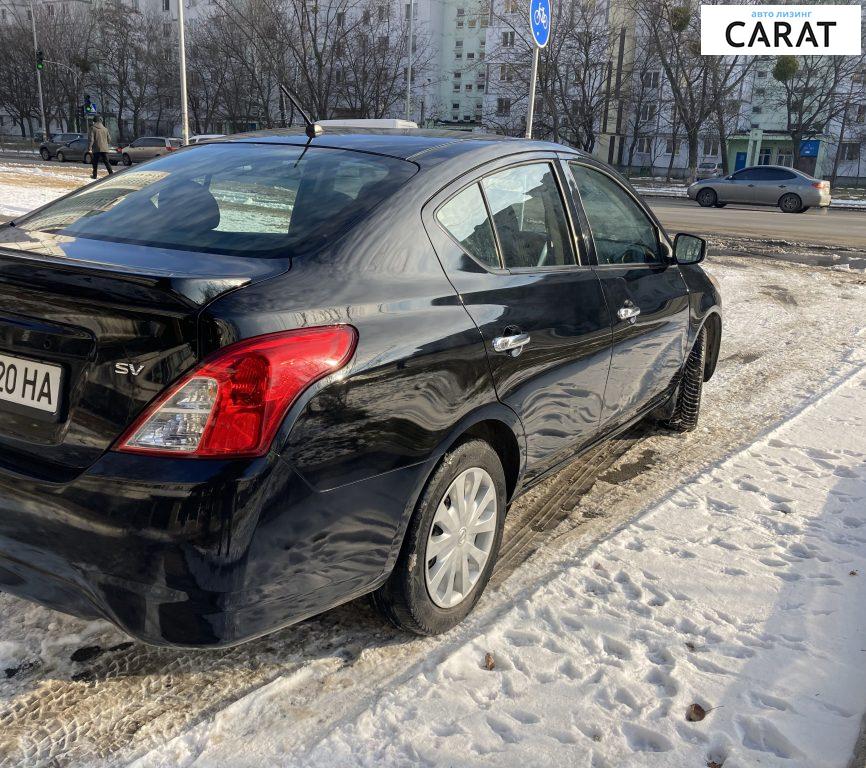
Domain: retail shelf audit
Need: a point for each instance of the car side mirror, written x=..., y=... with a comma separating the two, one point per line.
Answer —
x=689, y=249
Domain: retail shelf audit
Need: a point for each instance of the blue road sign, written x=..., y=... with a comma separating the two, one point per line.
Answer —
x=540, y=21
x=809, y=147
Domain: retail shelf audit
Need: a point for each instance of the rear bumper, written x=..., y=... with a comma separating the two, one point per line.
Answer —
x=197, y=553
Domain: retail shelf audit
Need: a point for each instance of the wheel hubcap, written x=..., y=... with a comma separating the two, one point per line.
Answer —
x=461, y=537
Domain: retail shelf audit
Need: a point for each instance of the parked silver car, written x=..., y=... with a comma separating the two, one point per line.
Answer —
x=792, y=190
x=710, y=169
x=48, y=149
x=147, y=147
x=77, y=150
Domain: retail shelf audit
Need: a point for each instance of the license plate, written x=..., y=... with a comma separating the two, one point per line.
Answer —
x=31, y=384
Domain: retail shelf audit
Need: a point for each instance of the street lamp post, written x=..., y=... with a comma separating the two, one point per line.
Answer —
x=409, y=62
x=184, y=112
x=38, y=72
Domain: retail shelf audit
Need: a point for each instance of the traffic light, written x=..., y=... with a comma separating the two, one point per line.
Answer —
x=40, y=60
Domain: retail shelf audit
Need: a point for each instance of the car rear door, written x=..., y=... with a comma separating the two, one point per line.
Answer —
x=774, y=183
x=646, y=295
x=506, y=243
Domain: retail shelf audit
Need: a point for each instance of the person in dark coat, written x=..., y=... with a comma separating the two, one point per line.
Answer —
x=99, y=145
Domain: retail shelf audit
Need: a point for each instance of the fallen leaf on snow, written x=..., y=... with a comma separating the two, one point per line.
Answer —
x=695, y=713
x=489, y=663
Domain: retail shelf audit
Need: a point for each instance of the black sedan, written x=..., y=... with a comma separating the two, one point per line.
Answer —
x=245, y=383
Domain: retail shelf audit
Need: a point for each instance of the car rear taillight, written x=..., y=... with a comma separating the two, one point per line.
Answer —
x=821, y=184
x=232, y=404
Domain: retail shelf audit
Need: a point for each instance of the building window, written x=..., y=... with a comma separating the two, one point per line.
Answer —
x=503, y=107
x=166, y=30
x=765, y=155
x=470, y=56
x=850, y=151
x=644, y=145
x=711, y=147
x=467, y=118
x=468, y=87
x=166, y=5
x=756, y=110
x=785, y=157
x=340, y=18
x=483, y=22
x=458, y=56
x=647, y=112
x=380, y=13
x=461, y=12
x=651, y=79
x=455, y=105
x=459, y=23
x=670, y=147
x=508, y=39
x=511, y=6
x=458, y=43
x=761, y=73
x=472, y=23
x=506, y=73
x=456, y=88
x=760, y=91
x=365, y=16
x=458, y=75
x=860, y=117
x=480, y=87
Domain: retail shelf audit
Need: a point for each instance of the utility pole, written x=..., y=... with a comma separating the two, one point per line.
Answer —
x=409, y=62
x=181, y=39
x=38, y=72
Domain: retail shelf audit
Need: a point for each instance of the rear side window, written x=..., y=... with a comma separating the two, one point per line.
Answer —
x=621, y=231
x=529, y=217
x=465, y=218
x=239, y=199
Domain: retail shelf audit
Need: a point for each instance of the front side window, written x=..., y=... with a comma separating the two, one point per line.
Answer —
x=241, y=199
x=529, y=217
x=465, y=218
x=621, y=231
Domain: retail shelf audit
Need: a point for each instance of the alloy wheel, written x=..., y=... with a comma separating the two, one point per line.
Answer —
x=461, y=537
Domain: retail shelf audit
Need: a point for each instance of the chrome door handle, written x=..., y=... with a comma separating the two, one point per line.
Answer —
x=512, y=345
x=628, y=312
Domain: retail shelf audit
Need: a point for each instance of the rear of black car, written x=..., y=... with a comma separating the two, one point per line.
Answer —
x=135, y=445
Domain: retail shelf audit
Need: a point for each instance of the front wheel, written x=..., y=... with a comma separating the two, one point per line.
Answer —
x=707, y=198
x=46, y=155
x=720, y=205
x=790, y=203
x=61, y=158
x=451, y=544
x=688, y=396
x=127, y=160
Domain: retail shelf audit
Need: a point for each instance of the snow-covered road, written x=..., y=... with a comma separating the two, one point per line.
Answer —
x=709, y=568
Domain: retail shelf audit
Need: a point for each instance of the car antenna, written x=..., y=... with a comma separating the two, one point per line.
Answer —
x=310, y=128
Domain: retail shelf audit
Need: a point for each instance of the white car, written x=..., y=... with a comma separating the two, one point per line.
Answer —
x=202, y=138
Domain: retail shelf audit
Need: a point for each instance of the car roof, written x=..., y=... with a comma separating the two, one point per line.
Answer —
x=775, y=167
x=402, y=143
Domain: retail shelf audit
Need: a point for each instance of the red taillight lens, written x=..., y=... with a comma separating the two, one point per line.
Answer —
x=821, y=184
x=233, y=403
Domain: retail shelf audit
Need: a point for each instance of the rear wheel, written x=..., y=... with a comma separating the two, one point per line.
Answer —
x=720, y=205
x=87, y=159
x=688, y=396
x=451, y=544
x=127, y=160
x=707, y=198
x=804, y=209
x=46, y=155
x=790, y=203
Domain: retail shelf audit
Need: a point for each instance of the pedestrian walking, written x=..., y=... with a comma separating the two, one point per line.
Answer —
x=99, y=144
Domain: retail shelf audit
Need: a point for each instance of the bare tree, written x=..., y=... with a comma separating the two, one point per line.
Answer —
x=815, y=91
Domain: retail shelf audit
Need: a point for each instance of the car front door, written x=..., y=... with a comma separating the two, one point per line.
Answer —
x=647, y=297
x=506, y=243
x=740, y=188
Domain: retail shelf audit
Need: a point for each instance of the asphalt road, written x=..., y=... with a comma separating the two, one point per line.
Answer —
x=826, y=226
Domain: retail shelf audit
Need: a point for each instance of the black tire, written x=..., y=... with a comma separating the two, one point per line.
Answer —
x=790, y=203
x=87, y=159
x=720, y=205
x=404, y=599
x=46, y=155
x=61, y=158
x=804, y=209
x=127, y=160
x=707, y=198
x=688, y=396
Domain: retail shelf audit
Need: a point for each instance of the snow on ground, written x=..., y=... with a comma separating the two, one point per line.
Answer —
x=744, y=592
x=24, y=187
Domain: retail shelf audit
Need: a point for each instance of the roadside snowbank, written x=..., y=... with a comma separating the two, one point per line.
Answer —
x=743, y=592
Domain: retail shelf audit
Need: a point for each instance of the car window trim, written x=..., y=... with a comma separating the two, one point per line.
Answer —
x=657, y=228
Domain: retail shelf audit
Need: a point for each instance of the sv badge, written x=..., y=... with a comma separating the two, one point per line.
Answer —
x=131, y=368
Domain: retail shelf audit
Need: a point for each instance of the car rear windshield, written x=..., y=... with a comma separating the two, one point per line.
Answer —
x=243, y=199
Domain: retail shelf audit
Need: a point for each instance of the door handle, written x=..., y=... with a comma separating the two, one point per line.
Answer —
x=628, y=312
x=511, y=345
